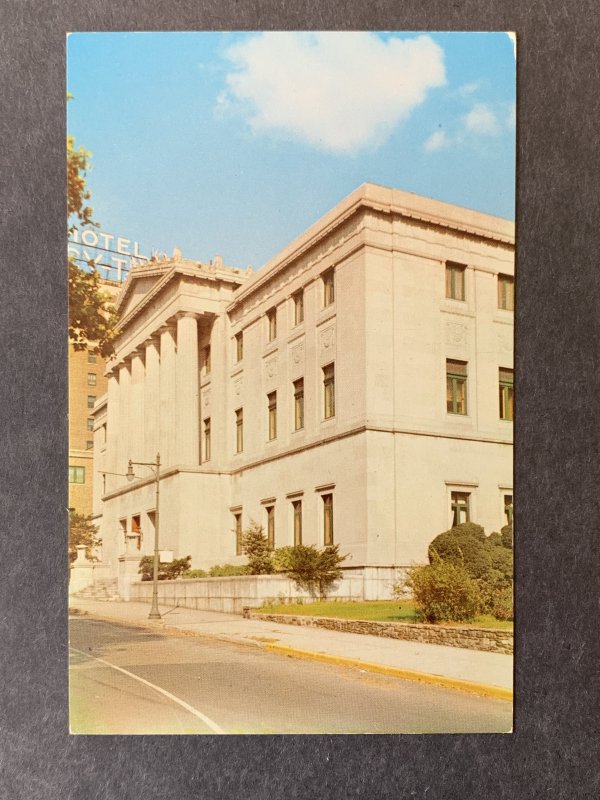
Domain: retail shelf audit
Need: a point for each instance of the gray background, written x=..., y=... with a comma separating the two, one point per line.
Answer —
x=554, y=751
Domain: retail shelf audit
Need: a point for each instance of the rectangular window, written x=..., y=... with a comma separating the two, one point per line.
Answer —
x=239, y=430
x=506, y=292
x=76, y=474
x=272, y=323
x=91, y=358
x=89, y=445
x=90, y=423
x=237, y=527
x=455, y=281
x=328, y=287
x=299, y=404
x=239, y=347
x=271, y=526
x=297, y=506
x=207, y=439
x=298, y=307
x=206, y=360
x=327, y=519
x=456, y=387
x=272, y=400
x=508, y=508
x=136, y=528
x=460, y=507
x=91, y=400
x=506, y=389
x=91, y=379
x=329, y=390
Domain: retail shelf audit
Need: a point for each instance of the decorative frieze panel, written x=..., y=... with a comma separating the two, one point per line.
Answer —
x=206, y=399
x=296, y=359
x=327, y=344
x=237, y=387
x=271, y=370
x=457, y=333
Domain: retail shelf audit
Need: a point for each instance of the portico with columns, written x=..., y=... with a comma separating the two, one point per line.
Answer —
x=153, y=405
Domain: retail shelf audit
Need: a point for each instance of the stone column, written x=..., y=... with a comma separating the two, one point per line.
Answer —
x=136, y=416
x=112, y=422
x=167, y=418
x=188, y=433
x=151, y=398
x=123, y=449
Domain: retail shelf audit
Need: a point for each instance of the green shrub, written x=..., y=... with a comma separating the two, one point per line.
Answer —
x=502, y=605
x=195, y=573
x=507, y=536
x=464, y=545
x=444, y=592
x=256, y=546
x=282, y=559
x=167, y=571
x=312, y=569
x=228, y=570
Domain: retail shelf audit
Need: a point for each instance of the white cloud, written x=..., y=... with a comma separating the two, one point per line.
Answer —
x=481, y=120
x=513, y=37
x=437, y=141
x=467, y=89
x=337, y=91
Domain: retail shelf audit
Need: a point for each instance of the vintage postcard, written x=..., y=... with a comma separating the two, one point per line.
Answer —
x=291, y=268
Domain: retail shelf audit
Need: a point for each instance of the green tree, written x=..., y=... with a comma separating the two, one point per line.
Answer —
x=92, y=317
x=167, y=570
x=309, y=568
x=82, y=531
x=255, y=545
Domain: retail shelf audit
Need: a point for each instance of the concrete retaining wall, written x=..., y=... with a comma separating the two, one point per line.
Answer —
x=488, y=639
x=231, y=595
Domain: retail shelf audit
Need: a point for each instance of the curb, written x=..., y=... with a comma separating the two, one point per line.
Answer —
x=485, y=690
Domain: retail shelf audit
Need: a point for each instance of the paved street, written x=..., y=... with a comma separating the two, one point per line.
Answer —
x=126, y=680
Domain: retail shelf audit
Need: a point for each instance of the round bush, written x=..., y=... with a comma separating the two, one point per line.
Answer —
x=444, y=592
x=465, y=546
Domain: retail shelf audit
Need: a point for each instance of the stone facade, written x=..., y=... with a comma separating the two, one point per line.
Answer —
x=314, y=392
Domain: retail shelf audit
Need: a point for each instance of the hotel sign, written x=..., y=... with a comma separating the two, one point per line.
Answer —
x=113, y=256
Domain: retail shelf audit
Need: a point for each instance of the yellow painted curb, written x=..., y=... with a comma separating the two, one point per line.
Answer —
x=396, y=672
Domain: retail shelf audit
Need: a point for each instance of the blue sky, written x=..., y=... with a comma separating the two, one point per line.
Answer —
x=234, y=143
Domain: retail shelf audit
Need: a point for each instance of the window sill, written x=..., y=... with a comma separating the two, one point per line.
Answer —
x=296, y=333
x=239, y=367
x=459, y=307
x=270, y=347
x=325, y=314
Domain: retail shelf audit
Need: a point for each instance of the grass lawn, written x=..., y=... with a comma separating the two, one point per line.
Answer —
x=377, y=610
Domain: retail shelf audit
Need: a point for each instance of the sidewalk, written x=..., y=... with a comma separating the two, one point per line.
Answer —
x=489, y=674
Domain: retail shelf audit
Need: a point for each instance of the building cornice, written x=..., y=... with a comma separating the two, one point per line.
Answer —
x=394, y=202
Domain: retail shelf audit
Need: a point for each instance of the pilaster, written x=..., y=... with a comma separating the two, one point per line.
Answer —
x=137, y=405
x=151, y=443
x=187, y=375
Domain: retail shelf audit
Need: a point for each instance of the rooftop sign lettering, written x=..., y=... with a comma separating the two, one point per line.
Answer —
x=113, y=256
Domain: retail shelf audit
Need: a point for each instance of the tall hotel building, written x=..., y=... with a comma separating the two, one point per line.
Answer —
x=358, y=390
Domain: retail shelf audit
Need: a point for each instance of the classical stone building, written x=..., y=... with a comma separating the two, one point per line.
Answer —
x=357, y=390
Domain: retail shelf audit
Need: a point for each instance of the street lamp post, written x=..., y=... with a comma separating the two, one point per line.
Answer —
x=155, y=465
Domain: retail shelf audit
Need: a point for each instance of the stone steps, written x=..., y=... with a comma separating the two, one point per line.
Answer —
x=101, y=590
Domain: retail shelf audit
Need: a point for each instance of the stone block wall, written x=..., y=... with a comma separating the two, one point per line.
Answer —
x=487, y=639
